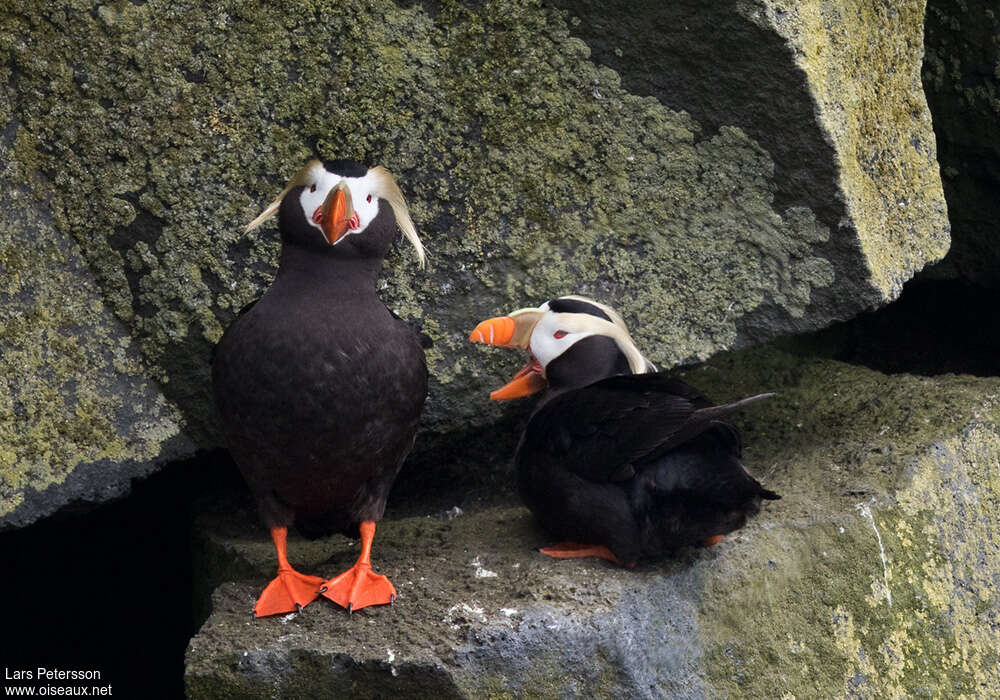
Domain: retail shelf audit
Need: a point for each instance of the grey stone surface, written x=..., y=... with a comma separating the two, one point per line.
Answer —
x=472, y=618
x=831, y=91
x=874, y=576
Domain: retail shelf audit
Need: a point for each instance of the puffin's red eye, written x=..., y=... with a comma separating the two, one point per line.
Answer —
x=313, y=188
x=369, y=198
x=559, y=334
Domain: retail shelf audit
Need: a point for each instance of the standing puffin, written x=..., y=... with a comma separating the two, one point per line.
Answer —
x=319, y=386
x=620, y=461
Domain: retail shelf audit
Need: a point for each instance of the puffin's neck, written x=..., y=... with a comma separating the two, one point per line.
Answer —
x=548, y=395
x=322, y=271
x=590, y=360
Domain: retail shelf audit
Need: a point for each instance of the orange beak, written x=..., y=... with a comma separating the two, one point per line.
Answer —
x=529, y=379
x=336, y=213
x=494, y=331
x=510, y=332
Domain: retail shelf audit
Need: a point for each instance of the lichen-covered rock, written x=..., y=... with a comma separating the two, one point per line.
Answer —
x=78, y=416
x=832, y=92
x=151, y=132
x=876, y=575
x=962, y=80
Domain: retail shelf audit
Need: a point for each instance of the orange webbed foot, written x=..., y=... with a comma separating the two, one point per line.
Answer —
x=359, y=587
x=713, y=540
x=575, y=550
x=289, y=592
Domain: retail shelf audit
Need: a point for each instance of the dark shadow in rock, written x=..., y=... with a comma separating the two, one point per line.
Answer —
x=145, y=228
x=935, y=327
x=111, y=590
x=462, y=467
x=188, y=364
x=960, y=81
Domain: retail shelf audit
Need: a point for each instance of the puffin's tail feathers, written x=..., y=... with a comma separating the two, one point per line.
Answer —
x=716, y=412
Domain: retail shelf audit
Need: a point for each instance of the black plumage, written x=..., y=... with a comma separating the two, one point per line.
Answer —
x=642, y=464
x=319, y=386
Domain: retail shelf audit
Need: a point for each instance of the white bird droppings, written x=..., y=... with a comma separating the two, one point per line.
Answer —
x=480, y=571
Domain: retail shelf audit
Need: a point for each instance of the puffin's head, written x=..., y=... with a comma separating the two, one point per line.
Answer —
x=337, y=206
x=573, y=341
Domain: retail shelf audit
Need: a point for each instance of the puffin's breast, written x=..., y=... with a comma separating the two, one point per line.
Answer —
x=311, y=396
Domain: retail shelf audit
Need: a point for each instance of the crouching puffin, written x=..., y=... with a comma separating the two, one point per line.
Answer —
x=319, y=386
x=617, y=459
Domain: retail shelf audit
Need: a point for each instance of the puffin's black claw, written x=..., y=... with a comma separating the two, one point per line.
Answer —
x=392, y=599
x=322, y=590
x=298, y=607
x=350, y=608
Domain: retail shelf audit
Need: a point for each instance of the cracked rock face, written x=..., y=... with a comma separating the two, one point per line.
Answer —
x=874, y=576
x=740, y=199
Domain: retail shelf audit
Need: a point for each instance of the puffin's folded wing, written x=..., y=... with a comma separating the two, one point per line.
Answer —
x=600, y=431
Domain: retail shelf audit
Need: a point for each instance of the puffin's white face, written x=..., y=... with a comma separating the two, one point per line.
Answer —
x=318, y=183
x=348, y=210
x=548, y=334
x=556, y=333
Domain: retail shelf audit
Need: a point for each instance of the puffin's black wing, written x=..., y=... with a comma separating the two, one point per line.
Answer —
x=246, y=307
x=601, y=431
x=426, y=342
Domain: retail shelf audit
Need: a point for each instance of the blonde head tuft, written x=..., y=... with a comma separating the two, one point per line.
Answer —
x=300, y=178
x=387, y=189
x=615, y=329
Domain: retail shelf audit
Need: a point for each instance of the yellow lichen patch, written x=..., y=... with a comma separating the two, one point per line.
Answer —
x=955, y=490
x=863, y=62
x=803, y=595
x=847, y=641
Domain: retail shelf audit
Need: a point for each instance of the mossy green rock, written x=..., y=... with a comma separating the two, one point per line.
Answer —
x=150, y=133
x=78, y=416
x=874, y=576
